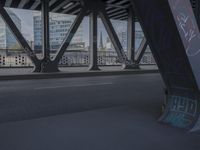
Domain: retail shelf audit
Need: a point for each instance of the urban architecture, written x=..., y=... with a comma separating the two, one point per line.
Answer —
x=7, y=39
x=130, y=106
x=59, y=27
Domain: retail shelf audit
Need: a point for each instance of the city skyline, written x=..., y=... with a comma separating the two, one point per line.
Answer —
x=27, y=25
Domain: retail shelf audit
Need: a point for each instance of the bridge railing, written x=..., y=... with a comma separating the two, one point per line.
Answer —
x=70, y=58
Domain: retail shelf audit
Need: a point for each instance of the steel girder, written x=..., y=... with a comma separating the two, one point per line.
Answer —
x=141, y=50
x=96, y=8
x=173, y=36
x=70, y=35
x=88, y=6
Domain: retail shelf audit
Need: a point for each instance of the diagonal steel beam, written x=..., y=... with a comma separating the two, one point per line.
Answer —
x=18, y=35
x=141, y=50
x=113, y=35
x=70, y=35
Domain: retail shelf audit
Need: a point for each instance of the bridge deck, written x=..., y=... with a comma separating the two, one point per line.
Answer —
x=122, y=113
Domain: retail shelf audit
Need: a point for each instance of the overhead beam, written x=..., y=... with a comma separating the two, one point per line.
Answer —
x=15, y=4
x=58, y=5
x=29, y=4
x=117, y=12
x=76, y=11
x=117, y=6
x=35, y=4
x=117, y=17
x=64, y=11
x=52, y=2
x=22, y=3
x=120, y=18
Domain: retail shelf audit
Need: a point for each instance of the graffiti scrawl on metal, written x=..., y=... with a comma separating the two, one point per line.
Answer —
x=189, y=32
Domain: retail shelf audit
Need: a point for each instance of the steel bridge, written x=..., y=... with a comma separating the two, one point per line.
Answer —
x=171, y=29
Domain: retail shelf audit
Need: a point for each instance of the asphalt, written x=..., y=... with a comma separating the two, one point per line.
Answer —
x=90, y=113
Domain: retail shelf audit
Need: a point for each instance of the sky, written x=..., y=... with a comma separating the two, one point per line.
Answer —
x=26, y=17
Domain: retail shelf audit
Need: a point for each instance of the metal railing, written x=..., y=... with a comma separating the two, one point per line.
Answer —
x=70, y=58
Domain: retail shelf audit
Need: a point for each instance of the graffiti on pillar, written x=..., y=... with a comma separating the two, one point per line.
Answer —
x=189, y=32
x=181, y=111
x=188, y=27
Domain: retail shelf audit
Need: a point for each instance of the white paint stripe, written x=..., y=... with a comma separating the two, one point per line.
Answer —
x=69, y=86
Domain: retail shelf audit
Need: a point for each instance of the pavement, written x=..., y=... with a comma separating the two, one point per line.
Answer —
x=65, y=72
x=90, y=113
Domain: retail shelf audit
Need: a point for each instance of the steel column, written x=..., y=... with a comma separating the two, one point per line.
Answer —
x=131, y=35
x=22, y=41
x=46, y=65
x=45, y=30
x=131, y=41
x=93, y=42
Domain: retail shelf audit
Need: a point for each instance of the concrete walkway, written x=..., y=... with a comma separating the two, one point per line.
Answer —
x=26, y=73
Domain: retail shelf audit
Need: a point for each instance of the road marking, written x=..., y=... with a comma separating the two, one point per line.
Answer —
x=69, y=86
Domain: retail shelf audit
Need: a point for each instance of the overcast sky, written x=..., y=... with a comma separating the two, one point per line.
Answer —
x=27, y=22
x=26, y=17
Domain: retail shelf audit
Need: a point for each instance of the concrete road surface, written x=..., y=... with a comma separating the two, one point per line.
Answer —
x=90, y=113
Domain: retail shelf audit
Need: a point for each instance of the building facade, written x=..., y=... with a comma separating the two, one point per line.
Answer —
x=59, y=27
x=7, y=39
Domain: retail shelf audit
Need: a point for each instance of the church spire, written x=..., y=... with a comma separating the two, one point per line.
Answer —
x=101, y=41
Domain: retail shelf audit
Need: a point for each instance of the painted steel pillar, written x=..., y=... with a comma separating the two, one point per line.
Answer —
x=93, y=42
x=141, y=51
x=46, y=65
x=131, y=41
x=45, y=30
x=173, y=36
x=131, y=35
